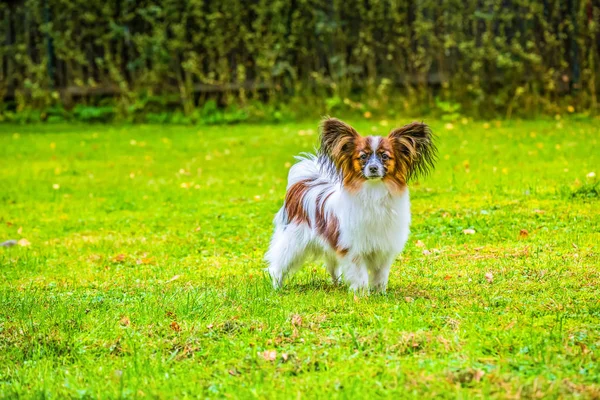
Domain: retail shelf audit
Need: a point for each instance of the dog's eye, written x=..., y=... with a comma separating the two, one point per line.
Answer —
x=385, y=157
x=363, y=156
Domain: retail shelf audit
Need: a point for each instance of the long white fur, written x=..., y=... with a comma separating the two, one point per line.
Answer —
x=373, y=226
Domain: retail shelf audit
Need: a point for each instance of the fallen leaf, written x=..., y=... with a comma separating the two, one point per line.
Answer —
x=20, y=230
x=145, y=261
x=523, y=233
x=489, y=277
x=296, y=320
x=449, y=126
x=174, y=278
x=233, y=372
x=285, y=356
x=426, y=252
x=124, y=321
x=175, y=326
x=477, y=375
x=198, y=229
x=23, y=242
x=209, y=326
x=419, y=243
x=510, y=325
x=409, y=299
x=447, y=277
x=367, y=114
x=119, y=258
x=536, y=211
x=269, y=355
x=469, y=231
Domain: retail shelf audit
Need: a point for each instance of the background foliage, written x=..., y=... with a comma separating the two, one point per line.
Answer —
x=162, y=60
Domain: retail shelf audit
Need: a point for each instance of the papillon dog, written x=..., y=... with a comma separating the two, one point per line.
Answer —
x=349, y=204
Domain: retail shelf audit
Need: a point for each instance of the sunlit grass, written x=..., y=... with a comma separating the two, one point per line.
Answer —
x=141, y=270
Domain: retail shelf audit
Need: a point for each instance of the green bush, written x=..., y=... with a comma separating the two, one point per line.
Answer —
x=514, y=57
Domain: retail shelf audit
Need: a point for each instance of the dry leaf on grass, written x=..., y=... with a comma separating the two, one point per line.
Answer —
x=124, y=321
x=523, y=233
x=175, y=326
x=296, y=320
x=174, y=278
x=23, y=242
x=419, y=243
x=489, y=277
x=269, y=355
x=119, y=258
x=477, y=375
x=469, y=231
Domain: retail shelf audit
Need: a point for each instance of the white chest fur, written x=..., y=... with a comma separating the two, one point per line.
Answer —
x=373, y=220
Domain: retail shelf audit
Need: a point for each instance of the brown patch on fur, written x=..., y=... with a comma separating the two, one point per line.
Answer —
x=394, y=177
x=340, y=142
x=328, y=226
x=293, y=202
x=413, y=149
x=352, y=170
x=342, y=252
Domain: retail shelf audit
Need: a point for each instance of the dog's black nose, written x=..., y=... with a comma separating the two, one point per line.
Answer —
x=373, y=170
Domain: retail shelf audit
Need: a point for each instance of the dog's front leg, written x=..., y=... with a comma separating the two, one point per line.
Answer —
x=355, y=273
x=379, y=272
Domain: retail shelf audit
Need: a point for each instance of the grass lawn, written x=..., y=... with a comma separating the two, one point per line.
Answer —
x=140, y=273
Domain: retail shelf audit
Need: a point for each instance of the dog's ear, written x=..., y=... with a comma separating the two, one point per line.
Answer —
x=414, y=149
x=337, y=139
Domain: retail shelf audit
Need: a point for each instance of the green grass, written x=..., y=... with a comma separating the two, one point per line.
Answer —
x=144, y=277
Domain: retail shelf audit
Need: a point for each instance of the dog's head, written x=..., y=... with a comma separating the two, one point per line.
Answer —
x=406, y=153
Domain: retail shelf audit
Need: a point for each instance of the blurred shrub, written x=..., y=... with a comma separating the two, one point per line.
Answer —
x=175, y=61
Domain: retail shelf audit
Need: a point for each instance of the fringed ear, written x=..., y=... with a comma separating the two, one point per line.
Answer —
x=414, y=149
x=338, y=141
